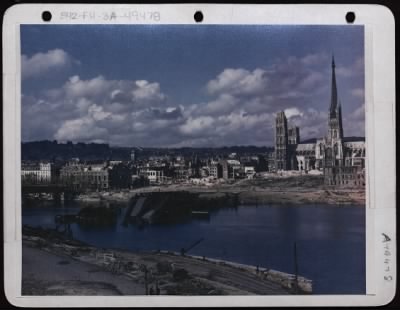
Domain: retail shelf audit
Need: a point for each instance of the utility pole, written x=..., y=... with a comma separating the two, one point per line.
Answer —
x=144, y=269
x=296, y=271
x=146, y=284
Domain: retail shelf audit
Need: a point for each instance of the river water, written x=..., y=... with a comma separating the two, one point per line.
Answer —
x=330, y=240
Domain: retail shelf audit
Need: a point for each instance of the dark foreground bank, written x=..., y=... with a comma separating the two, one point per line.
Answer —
x=52, y=265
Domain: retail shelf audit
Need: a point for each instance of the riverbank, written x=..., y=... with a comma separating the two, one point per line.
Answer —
x=56, y=266
x=303, y=197
x=296, y=190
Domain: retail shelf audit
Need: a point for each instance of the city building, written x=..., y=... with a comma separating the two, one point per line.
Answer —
x=341, y=159
x=249, y=171
x=133, y=155
x=286, y=140
x=204, y=172
x=33, y=172
x=231, y=169
x=215, y=170
x=83, y=176
x=155, y=176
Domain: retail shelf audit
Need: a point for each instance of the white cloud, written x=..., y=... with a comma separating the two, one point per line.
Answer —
x=99, y=108
x=352, y=70
x=311, y=122
x=97, y=112
x=312, y=79
x=225, y=103
x=239, y=109
x=147, y=91
x=42, y=63
x=197, y=125
x=83, y=104
x=293, y=112
x=77, y=88
x=81, y=130
x=315, y=59
x=354, y=122
x=344, y=71
x=358, y=93
x=246, y=102
x=238, y=81
x=359, y=113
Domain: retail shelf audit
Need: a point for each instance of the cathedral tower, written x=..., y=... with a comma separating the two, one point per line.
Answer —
x=294, y=135
x=281, y=142
x=334, y=152
x=335, y=112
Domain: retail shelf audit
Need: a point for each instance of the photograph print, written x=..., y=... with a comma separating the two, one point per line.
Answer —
x=187, y=160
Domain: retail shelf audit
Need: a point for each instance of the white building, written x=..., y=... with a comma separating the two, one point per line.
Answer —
x=249, y=171
x=36, y=173
x=155, y=176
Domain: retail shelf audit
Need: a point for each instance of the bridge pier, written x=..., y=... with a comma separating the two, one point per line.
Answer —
x=56, y=196
x=58, y=192
x=69, y=195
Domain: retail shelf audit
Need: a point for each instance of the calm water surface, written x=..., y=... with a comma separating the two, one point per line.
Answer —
x=330, y=240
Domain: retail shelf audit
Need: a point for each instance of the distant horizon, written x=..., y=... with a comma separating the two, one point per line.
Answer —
x=182, y=147
x=147, y=147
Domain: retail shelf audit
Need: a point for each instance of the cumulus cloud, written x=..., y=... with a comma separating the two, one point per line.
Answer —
x=355, y=69
x=42, y=63
x=93, y=109
x=168, y=113
x=246, y=101
x=81, y=129
x=197, y=125
x=288, y=81
x=147, y=91
x=77, y=88
x=293, y=112
x=239, y=107
x=358, y=93
x=97, y=113
x=238, y=81
x=235, y=128
x=359, y=113
x=225, y=103
x=314, y=59
x=313, y=123
x=354, y=122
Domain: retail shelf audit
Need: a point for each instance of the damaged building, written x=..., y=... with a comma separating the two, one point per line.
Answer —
x=340, y=158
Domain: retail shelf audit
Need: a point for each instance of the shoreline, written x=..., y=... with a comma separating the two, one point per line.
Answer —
x=296, y=190
x=251, y=197
x=110, y=270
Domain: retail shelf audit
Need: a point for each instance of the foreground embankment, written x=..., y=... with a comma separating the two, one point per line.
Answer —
x=53, y=265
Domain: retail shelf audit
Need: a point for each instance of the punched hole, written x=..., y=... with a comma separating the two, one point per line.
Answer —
x=46, y=16
x=350, y=17
x=198, y=17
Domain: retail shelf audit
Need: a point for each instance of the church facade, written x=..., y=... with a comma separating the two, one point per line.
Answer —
x=340, y=158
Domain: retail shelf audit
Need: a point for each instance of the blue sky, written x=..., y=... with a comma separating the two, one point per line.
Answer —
x=194, y=85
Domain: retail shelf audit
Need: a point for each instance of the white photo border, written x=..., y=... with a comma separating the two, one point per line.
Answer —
x=379, y=40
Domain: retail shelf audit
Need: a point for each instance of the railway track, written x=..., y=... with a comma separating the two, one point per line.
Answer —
x=228, y=275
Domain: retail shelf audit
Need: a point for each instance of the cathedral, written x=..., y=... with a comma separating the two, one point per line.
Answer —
x=340, y=159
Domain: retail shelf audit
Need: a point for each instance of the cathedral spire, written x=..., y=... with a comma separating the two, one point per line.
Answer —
x=340, y=120
x=333, y=91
